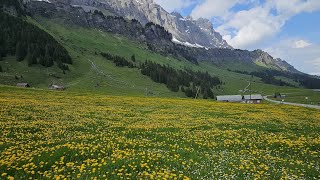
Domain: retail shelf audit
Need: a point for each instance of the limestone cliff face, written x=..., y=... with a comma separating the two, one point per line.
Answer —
x=265, y=59
x=194, y=33
x=157, y=38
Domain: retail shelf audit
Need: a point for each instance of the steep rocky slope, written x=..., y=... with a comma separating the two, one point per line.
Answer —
x=156, y=37
x=186, y=31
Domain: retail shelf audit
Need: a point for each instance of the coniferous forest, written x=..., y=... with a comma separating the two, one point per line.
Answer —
x=13, y=3
x=190, y=82
x=28, y=42
x=268, y=77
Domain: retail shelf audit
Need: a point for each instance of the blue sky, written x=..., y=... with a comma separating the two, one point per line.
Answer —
x=287, y=29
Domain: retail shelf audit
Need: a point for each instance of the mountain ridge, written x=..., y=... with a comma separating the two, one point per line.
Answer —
x=86, y=33
x=193, y=33
x=162, y=44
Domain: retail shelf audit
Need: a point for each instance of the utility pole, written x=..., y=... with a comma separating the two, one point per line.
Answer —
x=251, y=87
x=197, y=93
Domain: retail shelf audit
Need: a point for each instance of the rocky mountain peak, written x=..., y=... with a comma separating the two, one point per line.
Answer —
x=155, y=35
x=185, y=30
x=176, y=14
x=205, y=25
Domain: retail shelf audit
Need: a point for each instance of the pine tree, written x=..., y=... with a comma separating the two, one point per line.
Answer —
x=47, y=57
x=133, y=58
x=182, y=89
x=0, y=68
x=31, y=57
x=205, y=95
x=37, y=51
x=2, y=44
x=42, y=61
x=20, y=52
x=48, y=61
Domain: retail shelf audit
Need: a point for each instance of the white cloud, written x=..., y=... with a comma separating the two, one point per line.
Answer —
x=175, y=5
x=292, y=7
x=248, y=28
x=301, y=44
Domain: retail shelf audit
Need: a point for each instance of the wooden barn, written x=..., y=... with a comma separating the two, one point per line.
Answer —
x=24, y=85
x=252, y=99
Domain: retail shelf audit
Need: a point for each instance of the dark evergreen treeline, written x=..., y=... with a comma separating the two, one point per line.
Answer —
x=118, y=60
x=28, y=42
x=311, y=83
x=190, y=82
x=268, y=76
x=187, y=81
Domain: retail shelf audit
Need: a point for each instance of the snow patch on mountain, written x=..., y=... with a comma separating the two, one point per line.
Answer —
x=43, y=1
x=175, y=40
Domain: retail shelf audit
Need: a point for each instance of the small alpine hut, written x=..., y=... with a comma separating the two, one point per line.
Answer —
x=252, y=99
x=230, y=98
x=24, y=85
x=57, y=87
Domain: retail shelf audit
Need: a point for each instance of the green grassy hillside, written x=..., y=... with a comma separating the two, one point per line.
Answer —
x=91, y=72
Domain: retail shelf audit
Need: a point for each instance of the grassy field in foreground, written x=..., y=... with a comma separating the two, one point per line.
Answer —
x=46, y=134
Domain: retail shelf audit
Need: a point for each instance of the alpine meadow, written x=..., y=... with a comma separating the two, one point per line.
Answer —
x=152, y=89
